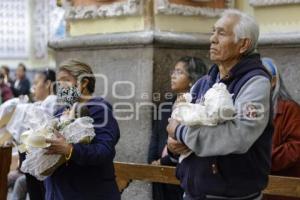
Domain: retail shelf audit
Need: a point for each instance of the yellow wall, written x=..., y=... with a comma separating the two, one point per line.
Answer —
x=190, y=24
x=106, y=25
x=283, y=18
x=280, y=19
x=274, y=19
x=244, y=6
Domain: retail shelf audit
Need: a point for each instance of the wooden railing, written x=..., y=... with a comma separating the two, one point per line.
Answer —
x=127, y=172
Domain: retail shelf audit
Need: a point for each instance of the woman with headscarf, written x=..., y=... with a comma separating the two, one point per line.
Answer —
x=286, y=136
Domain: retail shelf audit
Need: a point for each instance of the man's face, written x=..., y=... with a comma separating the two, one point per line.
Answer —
x=223, y=48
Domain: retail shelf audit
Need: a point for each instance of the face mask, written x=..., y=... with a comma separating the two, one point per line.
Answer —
x=68, y=95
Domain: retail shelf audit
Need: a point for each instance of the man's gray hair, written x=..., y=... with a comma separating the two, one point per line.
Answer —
x=246, y=27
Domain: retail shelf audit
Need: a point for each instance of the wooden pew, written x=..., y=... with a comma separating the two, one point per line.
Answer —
x=5, y=161
x=127, y=172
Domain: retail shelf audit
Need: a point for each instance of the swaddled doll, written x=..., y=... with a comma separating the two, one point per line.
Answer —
x=37, y=138
x=74, y=125
x=216, y=107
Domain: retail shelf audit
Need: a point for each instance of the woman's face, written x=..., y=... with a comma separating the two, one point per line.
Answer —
x=180, y=81
x=66, y=79
x=41, y=88
x=68, y=91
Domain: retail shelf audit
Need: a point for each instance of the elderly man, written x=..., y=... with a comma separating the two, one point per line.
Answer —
x=230, y=160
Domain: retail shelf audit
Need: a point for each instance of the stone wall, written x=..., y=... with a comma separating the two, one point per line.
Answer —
x=288, y=61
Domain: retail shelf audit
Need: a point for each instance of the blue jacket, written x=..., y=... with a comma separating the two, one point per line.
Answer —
x=89, y=173
x=158, y=142
x=23, y=87
x=227, y=175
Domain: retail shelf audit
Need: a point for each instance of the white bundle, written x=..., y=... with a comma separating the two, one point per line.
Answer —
x=80, y=129
x=8, y=107
x=40, y=165
x=26, y=115
x=216, y=108
x=218, y=103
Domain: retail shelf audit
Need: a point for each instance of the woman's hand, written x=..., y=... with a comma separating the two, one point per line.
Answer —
x=58, y=145
x=156, y=162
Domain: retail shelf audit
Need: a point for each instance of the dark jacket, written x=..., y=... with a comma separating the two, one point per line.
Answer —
x=158, y=142
x=231, y=175
x=159, y=134
x=23, y=87
x=90, y=173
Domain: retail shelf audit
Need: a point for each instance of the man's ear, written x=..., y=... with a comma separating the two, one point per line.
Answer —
x=245, y=45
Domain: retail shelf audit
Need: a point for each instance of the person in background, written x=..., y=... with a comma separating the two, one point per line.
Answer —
x=5, y=90
x=5, y=71
x=21, y=86
x=44, y=90
x=43, y=93
x=286, y=136
x=43, y=96
x=186, y=72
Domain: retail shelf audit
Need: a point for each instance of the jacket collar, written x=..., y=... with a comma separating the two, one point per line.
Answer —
x=245, y=65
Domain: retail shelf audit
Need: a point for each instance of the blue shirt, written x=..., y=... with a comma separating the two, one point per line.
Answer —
x=89, y=173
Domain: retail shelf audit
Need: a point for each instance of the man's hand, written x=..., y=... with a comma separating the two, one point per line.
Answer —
x=172, y=127
x=177, y=147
